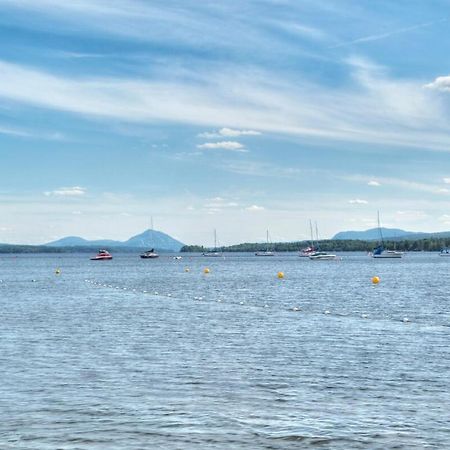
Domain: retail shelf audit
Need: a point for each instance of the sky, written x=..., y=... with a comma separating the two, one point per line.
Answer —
x=239, y=116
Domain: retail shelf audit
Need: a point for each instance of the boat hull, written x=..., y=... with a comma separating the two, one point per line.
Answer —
x=388, y=256
x=322, y=256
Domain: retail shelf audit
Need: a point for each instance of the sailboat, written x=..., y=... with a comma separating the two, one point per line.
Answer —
x=214, y=253
x=150, y=254
x=317, y=254
x=266, y=252
x=307, y=251
x=380, y=251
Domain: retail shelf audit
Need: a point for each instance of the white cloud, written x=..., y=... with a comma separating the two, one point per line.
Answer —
x=228, y=132
x=373, y=183
x=446, y=180
x=74, y=191
x=358, y=201
x=440, y=84
x=255, y=208
x=224, y=145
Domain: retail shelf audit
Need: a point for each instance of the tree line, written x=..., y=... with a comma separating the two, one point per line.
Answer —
x=351, y=245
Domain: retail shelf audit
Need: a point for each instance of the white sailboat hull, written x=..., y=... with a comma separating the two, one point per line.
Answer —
x=388, y=254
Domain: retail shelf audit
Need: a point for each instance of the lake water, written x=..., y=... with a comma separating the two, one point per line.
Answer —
x=237, y=359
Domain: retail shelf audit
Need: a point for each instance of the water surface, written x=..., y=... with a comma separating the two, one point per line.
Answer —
x=134, y=354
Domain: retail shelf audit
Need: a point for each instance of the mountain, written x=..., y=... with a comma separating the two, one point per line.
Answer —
x=148, y=239
x=388, y=233
x=154, y=239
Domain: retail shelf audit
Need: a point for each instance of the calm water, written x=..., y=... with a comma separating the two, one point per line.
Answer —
x=89, y=360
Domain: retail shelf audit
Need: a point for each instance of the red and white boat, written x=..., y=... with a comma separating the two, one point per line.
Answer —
x=102, y=254
x=308, y=251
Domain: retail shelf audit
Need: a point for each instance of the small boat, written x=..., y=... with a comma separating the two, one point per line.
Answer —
x=149, y=254
x=265, y=252
x=177, y=257
x=322, y=256
x=444, y=252
x=380, y=252
x=213, y=253
x=308, y=251
x=102, y=254
x=311, y=249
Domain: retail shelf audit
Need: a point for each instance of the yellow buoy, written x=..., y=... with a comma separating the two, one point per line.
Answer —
x=280, y=275
x=58, y=271
x=206, y=270
x=375, y=280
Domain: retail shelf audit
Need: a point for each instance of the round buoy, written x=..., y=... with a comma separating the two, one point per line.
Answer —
x=280, y=275
x=206, y=270
x=186, y=269
x=58, y=271
x=375, y=280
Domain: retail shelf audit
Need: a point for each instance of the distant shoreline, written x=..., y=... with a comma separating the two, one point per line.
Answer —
x=416, y=245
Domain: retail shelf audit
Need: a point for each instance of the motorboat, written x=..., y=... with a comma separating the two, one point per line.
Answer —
x=444, y=252
x=149, y=254
x=322, y=256
x=101, y=255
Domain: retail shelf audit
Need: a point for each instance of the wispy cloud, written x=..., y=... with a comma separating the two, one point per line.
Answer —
x=373, y=183
x=75, y=191
x=21, y=133
x=378, y=110
x=232, y=146
x=358, y=201
x=377, y=37
x=406, y=185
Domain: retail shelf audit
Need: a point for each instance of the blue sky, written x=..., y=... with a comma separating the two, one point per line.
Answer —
x=237, y=115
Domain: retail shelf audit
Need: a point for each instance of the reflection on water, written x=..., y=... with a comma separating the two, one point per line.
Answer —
x=132, y=353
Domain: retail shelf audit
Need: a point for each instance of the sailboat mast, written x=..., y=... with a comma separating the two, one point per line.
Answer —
x=379, y=228
x=215, y=239
x=267, y=241
x=311, y=230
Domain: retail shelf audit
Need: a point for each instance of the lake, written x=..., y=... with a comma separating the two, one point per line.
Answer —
x=155, y=354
